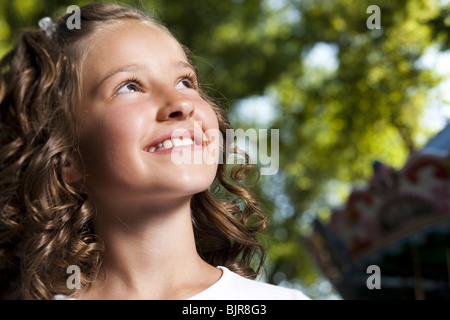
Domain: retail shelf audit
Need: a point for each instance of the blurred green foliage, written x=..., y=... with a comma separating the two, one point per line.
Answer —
x=335, y=115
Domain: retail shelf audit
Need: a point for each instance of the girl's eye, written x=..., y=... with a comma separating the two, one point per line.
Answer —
x=128, y=87
x=186, y=83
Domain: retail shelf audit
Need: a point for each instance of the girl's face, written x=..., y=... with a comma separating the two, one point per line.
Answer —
x=138, y=88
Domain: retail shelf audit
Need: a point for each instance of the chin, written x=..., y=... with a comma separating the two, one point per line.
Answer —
x=194, y=179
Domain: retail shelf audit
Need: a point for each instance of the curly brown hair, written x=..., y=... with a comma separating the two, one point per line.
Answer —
x=46, y=224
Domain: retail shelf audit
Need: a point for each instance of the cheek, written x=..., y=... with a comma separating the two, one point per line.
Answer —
x=207, y=116
x=106, y=143
x=124, y=129
x=210, y=126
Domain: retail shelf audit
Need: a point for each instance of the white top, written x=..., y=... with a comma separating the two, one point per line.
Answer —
x=232, y=286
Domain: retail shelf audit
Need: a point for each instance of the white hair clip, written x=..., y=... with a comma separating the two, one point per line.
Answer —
x=48, y=26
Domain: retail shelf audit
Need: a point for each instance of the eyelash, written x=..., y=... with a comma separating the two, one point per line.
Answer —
x=127, y=82
x=188, y=76
x=192, y=79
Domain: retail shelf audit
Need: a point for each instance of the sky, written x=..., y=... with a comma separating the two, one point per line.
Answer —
x=437, y=113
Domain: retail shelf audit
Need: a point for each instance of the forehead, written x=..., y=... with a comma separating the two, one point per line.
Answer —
x=126, y=41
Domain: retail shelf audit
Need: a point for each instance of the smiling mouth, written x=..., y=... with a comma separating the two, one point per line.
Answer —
x=179, y=141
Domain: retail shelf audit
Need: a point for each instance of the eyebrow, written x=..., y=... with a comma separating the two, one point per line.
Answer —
x=127, y=68
x=183, y=64
x=134, y=67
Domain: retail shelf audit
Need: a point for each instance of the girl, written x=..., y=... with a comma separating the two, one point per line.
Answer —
x=89, y=120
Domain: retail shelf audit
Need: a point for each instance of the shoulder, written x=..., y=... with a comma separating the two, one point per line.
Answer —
x=232, y=286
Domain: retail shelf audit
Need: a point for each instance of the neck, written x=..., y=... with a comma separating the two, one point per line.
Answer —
x=150, y=253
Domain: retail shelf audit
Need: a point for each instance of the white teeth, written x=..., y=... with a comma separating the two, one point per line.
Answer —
x=167, y=144
x=187, y=141
x=177, y=142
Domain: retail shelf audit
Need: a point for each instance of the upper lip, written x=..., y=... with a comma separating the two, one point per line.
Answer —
x=195, y=135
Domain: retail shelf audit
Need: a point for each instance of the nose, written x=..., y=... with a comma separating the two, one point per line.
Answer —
x=176, y=107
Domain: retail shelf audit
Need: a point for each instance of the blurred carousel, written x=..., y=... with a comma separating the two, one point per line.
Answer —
x=400, y=222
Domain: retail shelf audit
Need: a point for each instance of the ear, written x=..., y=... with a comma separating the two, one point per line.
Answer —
x=71, y=172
